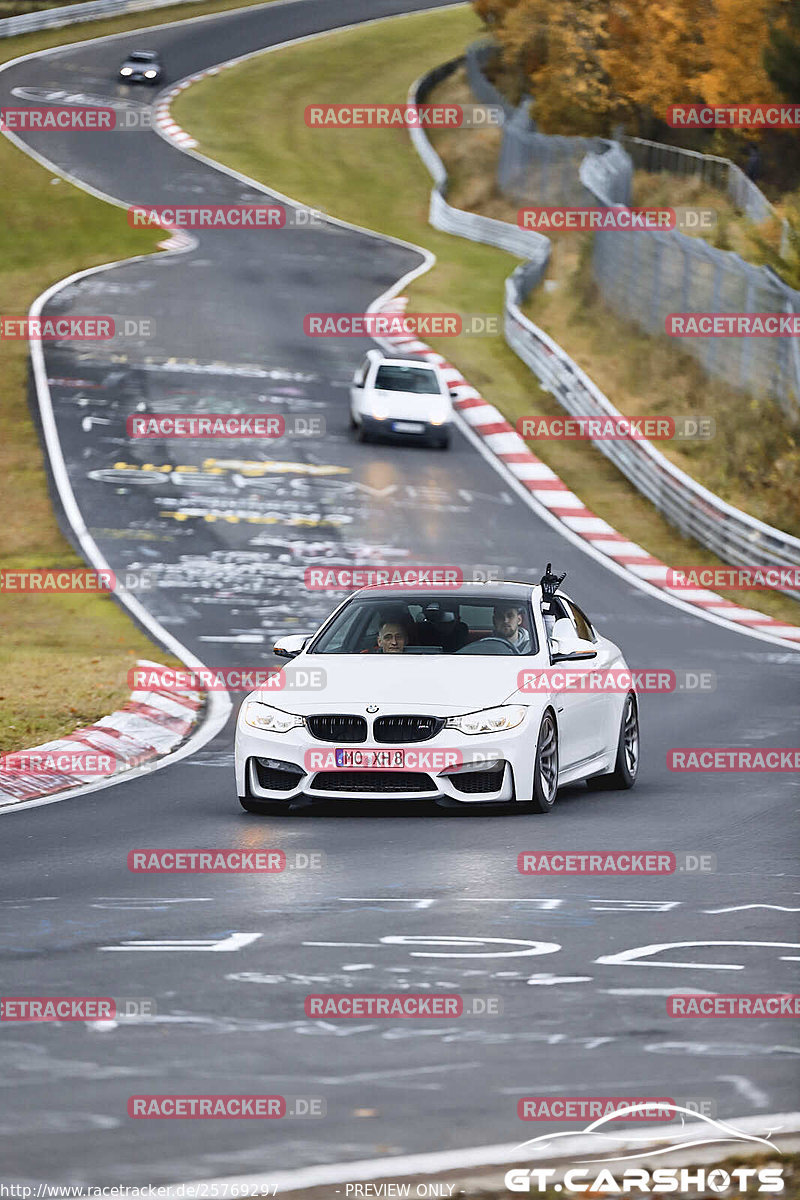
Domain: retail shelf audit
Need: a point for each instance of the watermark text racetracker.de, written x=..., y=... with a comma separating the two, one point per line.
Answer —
x=658, y=680
x=73, y=1008
x=214, y=860
x=614, y=862
x=618, y=218
x=343, y=577
x=152, y=677
x=239, y=217
x=768, y=577
x=407, y=324
x=403, y=116
x=216, y=1107
x=616, y=428
x=75, y=328
x=734, y=758
x=72, y=581
x=190, y=426
x=387, y=1005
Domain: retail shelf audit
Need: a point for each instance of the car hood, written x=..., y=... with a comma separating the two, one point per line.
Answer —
x=444, y=685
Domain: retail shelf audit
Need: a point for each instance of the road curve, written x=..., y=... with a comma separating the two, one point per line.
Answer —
x=228, y=547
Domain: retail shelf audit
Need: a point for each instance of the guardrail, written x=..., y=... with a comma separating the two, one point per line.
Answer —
x=733, y=535
x=525, y=243
x=74, y=14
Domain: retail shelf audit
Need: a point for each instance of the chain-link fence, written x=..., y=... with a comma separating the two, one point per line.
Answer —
x=646, y=276
x=720, y=173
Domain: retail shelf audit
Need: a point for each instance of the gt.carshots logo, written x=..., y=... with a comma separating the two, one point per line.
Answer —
x=616, y=1176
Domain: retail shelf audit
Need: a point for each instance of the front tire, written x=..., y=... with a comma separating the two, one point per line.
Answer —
x=545, y=769
x=626, y=766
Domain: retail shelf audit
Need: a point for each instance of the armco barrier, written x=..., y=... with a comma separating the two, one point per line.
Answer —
x=74, y=14
x=735, y=537
x=525, y=243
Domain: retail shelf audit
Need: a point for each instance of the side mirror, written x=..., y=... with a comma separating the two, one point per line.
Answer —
x=453, y=393
x=291, y=646
x=566, y=646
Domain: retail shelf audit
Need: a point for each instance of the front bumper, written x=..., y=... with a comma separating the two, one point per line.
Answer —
x=395, y=427
x=274, y=767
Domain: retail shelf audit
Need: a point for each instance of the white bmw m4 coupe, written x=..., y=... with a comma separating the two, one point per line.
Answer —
x=495, y=693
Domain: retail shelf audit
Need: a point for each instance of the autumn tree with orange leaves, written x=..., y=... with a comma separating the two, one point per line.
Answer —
x=592, y=63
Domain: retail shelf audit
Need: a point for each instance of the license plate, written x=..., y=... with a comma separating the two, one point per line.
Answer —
x=371, y=760
x=408, y=427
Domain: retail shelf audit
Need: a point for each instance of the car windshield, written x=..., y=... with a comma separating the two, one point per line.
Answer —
x=141, y=56
x=431, y=624
x=395, y=378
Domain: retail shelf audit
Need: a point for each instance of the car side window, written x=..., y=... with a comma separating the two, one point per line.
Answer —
x=556, y=610
x=361, y=374
x=582, y=623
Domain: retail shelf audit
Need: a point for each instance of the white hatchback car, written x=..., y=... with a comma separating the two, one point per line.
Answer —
x=454, y=696
x=400, y=397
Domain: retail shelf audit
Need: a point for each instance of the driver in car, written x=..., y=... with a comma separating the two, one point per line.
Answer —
x=507, y=621
x=392, y=637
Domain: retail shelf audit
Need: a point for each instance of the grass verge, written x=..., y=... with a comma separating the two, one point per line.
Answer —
x=374, y=177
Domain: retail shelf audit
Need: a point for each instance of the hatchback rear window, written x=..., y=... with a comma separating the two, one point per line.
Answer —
x=406, y=379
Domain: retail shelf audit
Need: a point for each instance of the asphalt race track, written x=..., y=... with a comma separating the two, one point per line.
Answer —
x=406, y=899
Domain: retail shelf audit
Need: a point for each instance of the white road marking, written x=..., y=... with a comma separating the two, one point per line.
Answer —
x=747, y=1090
x=234, y=941
x=634, y=956
x=744, y=907
x=685, y=991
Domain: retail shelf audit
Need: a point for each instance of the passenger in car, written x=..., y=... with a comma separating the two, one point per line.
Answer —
x=507, y=620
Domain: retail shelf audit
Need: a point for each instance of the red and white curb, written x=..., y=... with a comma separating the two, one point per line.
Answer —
x=147, y=727
x=546, y=487
x=162, y=117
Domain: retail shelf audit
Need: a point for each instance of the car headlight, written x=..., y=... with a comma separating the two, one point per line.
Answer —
x=440, y=416
x=489, y=720
x=150, y=74
x=126, y=70
x=380, y=410
x=272, y=720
